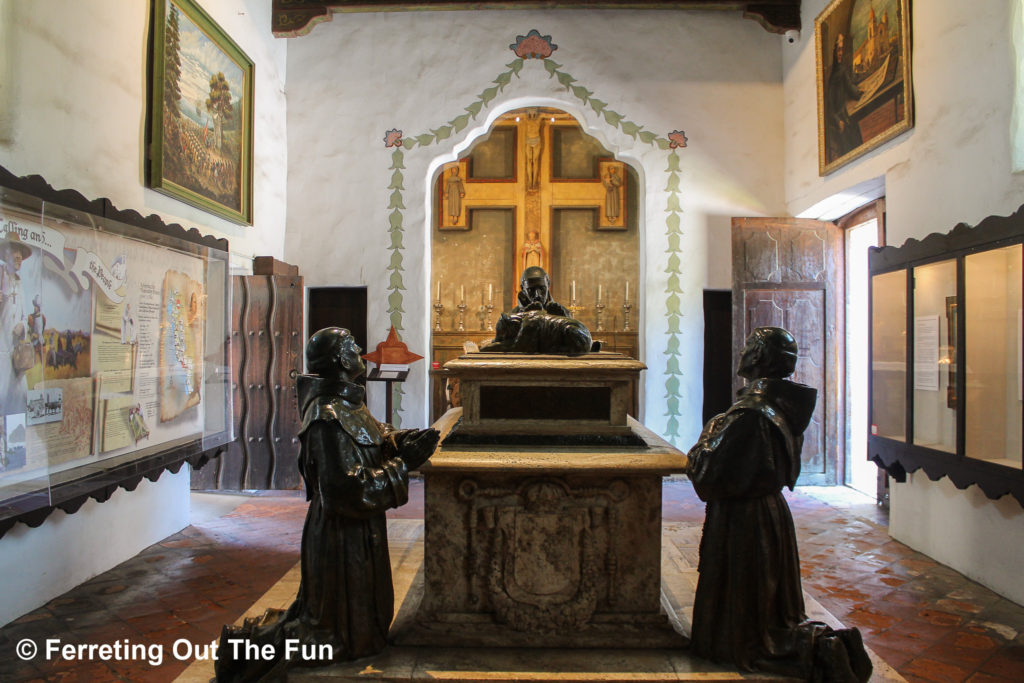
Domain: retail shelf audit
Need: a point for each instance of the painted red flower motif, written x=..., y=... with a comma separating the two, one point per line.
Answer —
x=677, y=138
x=533, y=46
x=393, y=138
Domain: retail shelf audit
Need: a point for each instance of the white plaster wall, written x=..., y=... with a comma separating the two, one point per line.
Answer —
x=360, y=75
x=77, y=98
x=953, y=166
x=74, y=95
x=963, y=529
x=65, y=550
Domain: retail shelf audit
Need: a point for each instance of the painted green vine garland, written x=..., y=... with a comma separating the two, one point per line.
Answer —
x=535, y=46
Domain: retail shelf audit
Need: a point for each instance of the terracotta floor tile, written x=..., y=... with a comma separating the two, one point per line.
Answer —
x=935, y=670
x=893, y=609
x=985, y=678
x=938, y=617
x=1004, y=665
x=928, y=621
x=964, y=649
x=13, y=669
x=895, y=657
x=865, y=619
x=925, y=631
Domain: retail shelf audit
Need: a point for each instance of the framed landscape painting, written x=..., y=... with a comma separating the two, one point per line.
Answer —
x=864, y=90
x=200, y=113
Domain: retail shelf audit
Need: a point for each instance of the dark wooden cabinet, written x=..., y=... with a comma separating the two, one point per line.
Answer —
x=266, y=356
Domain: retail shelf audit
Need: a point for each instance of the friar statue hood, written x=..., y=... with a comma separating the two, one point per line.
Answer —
x=328, y=399
x=789, y=406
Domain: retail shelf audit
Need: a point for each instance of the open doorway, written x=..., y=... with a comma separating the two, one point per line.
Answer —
x=863, y=229
x=811, y=277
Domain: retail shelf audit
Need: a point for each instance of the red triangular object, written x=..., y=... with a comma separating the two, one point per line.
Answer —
x=392, y=351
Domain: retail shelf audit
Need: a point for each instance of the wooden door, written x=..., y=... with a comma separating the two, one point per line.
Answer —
x=788, y=272
x=718, y=366
x=266, y=356
x=339, y=307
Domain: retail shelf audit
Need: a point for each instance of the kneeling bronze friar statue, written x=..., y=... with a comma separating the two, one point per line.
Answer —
x=354, y=469
x=749, y=606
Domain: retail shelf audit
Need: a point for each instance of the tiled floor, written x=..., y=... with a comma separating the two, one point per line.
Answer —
x=926, y=620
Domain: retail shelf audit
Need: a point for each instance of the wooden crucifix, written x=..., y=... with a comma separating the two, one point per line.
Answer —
x=532, y=190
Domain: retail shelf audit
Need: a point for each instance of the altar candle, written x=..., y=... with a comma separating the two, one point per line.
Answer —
x=599, y=292
x=439, y=290
x=574, y=290
x=627, y=290
x=462, y=293
x=490, y=292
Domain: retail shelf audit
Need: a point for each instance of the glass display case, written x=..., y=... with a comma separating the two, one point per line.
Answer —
x=947, y=392
x=992, y=371
x=113, y=351
x=934, y=378
x=889, y=363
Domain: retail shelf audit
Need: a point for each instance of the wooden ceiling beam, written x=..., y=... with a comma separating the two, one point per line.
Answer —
x=291, y=18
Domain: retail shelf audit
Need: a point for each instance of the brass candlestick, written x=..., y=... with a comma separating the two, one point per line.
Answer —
x=490, y=318
x=625, y=316
x=438, y=310
x=599, y=314
x=462, y=317
x=575, y=308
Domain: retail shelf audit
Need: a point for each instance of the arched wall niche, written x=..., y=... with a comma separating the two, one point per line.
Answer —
x=533, y=185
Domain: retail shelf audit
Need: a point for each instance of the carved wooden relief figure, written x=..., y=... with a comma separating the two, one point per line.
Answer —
x=533, y=251
x=612, y=203
x=454, y=192
x=534, y=148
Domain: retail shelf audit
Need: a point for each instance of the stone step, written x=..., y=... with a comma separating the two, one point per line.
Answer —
x=528, y=664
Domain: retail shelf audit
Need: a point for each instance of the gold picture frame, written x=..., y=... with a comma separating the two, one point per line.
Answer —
x=865, y=95
x=200, y=117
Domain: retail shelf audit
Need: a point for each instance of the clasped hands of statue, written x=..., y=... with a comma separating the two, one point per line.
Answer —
x=527, y=304
x=414, y=446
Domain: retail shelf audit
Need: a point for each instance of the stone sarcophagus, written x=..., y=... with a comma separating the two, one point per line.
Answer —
x=544, y=395
x=544, y=544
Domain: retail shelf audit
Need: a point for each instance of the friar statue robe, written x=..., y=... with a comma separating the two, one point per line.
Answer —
x=352, y=473
x=749, y=597
x=749, y=606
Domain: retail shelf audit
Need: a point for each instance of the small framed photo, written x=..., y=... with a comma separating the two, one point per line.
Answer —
x=200, y=113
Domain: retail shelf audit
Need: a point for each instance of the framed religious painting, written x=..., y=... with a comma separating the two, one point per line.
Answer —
x=864, y=86
x=200, y=113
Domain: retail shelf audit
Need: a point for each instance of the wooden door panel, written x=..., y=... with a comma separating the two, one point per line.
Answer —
x=254, y=379
x=807, y=256
x=266, y=355
x=761, y=311
x=805, y=316
x=801, y=313
x=787, y=272
x=760, y=256
x=286, y=363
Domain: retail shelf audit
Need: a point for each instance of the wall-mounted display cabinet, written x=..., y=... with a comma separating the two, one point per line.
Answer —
x=947, y=352
x=114, y=334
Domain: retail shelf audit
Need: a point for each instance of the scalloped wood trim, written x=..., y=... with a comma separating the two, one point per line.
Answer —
x=37, y=186
x=990, y=230
x=33, y=508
